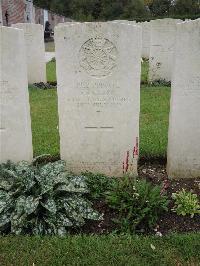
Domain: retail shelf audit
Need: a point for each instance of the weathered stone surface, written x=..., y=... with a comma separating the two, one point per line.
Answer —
x=146, y=37
x=98, y=72
x=163, y=34
x=184, y=124
x=35, y=51
x=124, y=21
x=15, y=125
x=1, y=18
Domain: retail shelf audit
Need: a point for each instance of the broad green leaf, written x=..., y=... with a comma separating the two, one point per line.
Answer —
x=61, y=231
x=61, y=178
x=31, y=204
x=18, y=223
x=4, y=200
x=73, y=214
x=5, y=184
x=79, y=182
x=4, y=219
x=50, y=205
x=84, y=207
x=46, y=188
x=22, y=167
x=39, y=228
x=20, y=205
x=51, y=221
x=63, y=220
x=70, y=188
x=10, y=174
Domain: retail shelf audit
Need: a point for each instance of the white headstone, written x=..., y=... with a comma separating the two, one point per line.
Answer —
x=35, y=51
x=124, y=21
x=29, y=12
x=184, y=124
x=146, y=37
x=1, y=17
x=163, y=33
x=98, y=71
x=15, y=122
x=46, y=16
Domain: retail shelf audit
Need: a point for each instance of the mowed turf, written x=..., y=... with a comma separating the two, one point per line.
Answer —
x=101, y=250
x=51, y=71
x=153, y=118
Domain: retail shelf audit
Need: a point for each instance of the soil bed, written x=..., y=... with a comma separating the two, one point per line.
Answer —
x=169, y=222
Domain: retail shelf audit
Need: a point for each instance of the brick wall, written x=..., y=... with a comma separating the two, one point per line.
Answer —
x=23, y=11
x=13, y=11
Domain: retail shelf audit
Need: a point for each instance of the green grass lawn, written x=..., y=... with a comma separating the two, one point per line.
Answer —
x=51, y=71
x=49, y=46
x=145, y=71
x=153, y=118
x=101, y=250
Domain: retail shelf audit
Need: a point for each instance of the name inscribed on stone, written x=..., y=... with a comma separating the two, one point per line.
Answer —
x=97, y=94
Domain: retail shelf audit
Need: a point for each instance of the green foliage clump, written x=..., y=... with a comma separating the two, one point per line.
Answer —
x=98, y=184
x=161, y=82
x=42, y=199
x=186, y=203
x=138, y=203
x=96, y=10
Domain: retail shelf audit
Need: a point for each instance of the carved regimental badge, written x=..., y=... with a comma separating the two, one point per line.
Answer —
x=98, y=57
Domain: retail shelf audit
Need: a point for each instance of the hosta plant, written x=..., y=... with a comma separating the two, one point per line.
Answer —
x=186, y=203
x=42, y=199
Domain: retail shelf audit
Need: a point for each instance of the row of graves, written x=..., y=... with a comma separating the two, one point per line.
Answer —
x=98, y=68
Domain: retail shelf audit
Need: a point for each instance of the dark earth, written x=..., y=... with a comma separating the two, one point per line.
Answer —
x=170, y=221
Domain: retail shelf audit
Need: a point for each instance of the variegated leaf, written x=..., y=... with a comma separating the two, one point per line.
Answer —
x=63, y=220
x=61, y=231
x=4, y=219
x=4, y=199
x=31, y=204
x=61, y=179
x=20, y=205
x=50, y=205
x=5, y=184
x=73, y=214
x=18, y=223
x=22, y=167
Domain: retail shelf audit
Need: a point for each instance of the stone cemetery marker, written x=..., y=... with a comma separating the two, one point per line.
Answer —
x=1, y=17
x=146, y=36
x=98, y=71
x=184, y=123
x=35, y=51
x=163, y=34
x=15, y=123
x=124, y=21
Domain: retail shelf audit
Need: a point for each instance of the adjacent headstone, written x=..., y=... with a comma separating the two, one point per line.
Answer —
x=15, y=122
x=184, y=124
x=98, y=72
x=124, y=21
x=1, y=17
x=146, y=37
x=35, y=51
x=163, y=33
